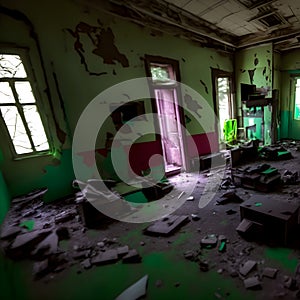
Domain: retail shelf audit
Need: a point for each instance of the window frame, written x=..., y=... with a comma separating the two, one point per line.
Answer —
x=294, y=88
x=23, y=52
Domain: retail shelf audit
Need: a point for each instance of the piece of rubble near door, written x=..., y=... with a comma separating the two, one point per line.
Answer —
x=135, y=291
x=167, y=225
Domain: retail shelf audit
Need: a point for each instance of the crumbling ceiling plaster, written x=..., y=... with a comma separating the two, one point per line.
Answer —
x=229, y=24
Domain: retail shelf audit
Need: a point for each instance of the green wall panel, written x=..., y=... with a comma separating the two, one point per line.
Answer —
x=4, y=198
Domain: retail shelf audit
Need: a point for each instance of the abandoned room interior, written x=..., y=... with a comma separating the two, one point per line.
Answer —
x=150, y=149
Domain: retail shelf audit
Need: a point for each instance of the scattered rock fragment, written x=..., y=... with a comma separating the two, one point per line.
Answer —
x=269, y=272
x=135, y=291
x=252, y=283
x=122, y=250
x=246, y=267
x=132, y=257
x=86, y=264
x=209, y=241
x=106, y=257
x=40, y=268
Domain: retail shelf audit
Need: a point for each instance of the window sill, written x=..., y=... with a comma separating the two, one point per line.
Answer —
x=34, y=155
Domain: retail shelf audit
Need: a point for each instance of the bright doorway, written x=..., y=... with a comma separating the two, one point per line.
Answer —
x=223, y=100
x=165, y=91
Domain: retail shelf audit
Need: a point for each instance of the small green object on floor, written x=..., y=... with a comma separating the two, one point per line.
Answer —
x=222, y=246
x=28, y=224
x=257, y=204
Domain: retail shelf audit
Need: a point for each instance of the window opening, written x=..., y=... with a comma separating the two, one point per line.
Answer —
x=18, y=107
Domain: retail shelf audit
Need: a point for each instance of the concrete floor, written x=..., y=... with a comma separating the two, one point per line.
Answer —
x=171, y=276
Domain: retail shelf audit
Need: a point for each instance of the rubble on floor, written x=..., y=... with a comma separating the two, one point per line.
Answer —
x=167, y=225
x=39, y=239
x=38, y=231
x=135, y=291
x=264, y=178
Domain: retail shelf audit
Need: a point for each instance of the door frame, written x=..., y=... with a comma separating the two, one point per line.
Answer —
x=215, y=74
x=152, y=59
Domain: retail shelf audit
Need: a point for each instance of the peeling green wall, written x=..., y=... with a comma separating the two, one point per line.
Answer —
x=290, y=66
x=4, y=194
x=4, y=198
x=255, y=66
x=118, y=55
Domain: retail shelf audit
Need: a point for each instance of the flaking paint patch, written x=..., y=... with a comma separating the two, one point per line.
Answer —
x=102, y=44
x=192, y=104
x=251, y=75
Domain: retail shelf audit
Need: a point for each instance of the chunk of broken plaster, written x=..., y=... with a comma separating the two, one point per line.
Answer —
x=252, y=283
x=122, y=250
x=135, y=291
x=209, y=241
x=247, y=267
x=86, y=264
x=195, y=217
x=40, y=268
x=48, y=246
x=132, y=257
x=29, y=238
x=9, y=232
x=166, y=225
x=106, y=257
x=191, y=198
x=269, y=272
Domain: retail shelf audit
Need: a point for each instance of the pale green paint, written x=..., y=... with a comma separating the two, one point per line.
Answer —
x=260, y=61
x=4, y=198
x=78, y=88
x=290, y=66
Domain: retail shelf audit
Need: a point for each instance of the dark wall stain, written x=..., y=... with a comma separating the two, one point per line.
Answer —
x=205, y=87
x=243, y=71
x=255, y=54
x=61, y=135
x=183, y=59
x=251, y=75
x=264, y=71
x=126, y=95
x=192, y=104
x=114, y=72
x=256, y=61
x=267, y=78
x=103, y=41
x=211, y=57
x=187, y=119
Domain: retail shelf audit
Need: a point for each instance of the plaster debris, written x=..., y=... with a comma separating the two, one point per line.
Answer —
x=132, y=257
x=167, y=225
x=246, y=267
x=252, y=283
x=135, y=291
x=106, y=257
x=209, y=241
x=270, y=272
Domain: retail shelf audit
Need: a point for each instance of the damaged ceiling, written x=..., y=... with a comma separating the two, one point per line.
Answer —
x=229, y=24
